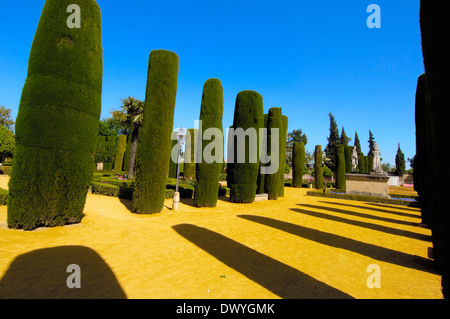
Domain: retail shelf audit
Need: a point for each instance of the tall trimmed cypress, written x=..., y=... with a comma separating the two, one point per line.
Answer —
x=58, y=117
x=361, y=168
x=340, y=172
x=283, y=138
x=318, y=167
x=152, y=161
x=207, y=174
x=274, y=121
x=261, y=181
x=348, y=158
x=298, y=164
x=121, y=147
x=248, y=114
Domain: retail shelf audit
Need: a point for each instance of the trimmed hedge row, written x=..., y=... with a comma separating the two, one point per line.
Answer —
x=364, y=198
x=3, y=196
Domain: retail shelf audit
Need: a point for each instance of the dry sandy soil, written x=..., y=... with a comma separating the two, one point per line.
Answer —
x=295, y=247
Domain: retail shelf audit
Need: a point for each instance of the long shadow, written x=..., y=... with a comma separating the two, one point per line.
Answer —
x=375, y=209
x=281, y=279
x=396, y=207
x=352, y=213
x=332, y=240
x=42, y=274
x=385, y=229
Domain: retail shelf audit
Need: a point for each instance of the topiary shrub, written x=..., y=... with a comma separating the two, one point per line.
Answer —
x=260, y=183
x=340, y=171
x=318, y=155
x=274, y=121
x=152, y=161
x=361, y=168
x=57, y=123
x=348, y=158
x=298, y=164
x=248, y=113
x=283, y=136
x=121, y=147
x=207, y=174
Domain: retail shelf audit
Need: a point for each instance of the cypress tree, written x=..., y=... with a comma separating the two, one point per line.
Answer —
x=433, y=20
x=126, y=156
x=361, y=168
x=369, y=164
x=58, y=118
x=283, y=137
x=190, y=166
x=400, y=162
x=298, y=164
x=207, y=174
x=229, y=160
x=371, y=143
x=348, y=158
x=357, y=143
x=344, y=138
x=333, y=141
x=318, y=155
x=260, y=188
x=274, y=121
x=366, y=164
x=340, y=173
x=152, y=160
x=248, y=113
x=121, y=146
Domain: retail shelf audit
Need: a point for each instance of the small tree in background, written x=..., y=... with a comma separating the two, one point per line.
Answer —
x=121, y=147
x=400, y=165
x=333, y=142
x=357, y=143
x=344, y=138
x=5, y=118
x=371, y=142
x=6, y=143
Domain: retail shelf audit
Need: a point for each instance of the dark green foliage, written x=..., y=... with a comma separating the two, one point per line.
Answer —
x=274, y=121
x=3, y=196
x=371, y=143
x=5, y=169
x=229, y=169
x=333, y=141
x=344, y=138
x=6, y=143
x=298, y=164
x=400, y=162
x=340, y=172
x=107, y=166
x=126, y=156
x=121, y=146
x=282, y=167
x=433, y=24
x=190, y=166
x=348, y=158
x=152, y=163
x=366, y=165
x=369, y=163
x=361, y=168
x=207, y=174
x=318, y=167
x=357, y=143
x=58, y=117
x=261, y=181
x=248, y=113
x=173, y=164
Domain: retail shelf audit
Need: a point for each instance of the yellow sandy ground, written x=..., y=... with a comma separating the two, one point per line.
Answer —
x=295, y=247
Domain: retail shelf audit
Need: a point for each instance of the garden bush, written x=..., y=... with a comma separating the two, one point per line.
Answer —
x=121, y=147
x=274, y=121
x=248, y=113
x=3, y=196
x=318, y=167
x=298, y=163
x=207, y=174
x=152, y=161
x=340, y=171
x=5, y=169
x=57, y=122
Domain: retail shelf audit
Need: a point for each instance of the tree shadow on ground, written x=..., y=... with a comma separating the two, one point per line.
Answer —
x=42, y=274
x=358, y=214
x=127, y=203
x=332, y=240
x=281, y=279
x=385, y=229
x=376, y=209
x=396, y=207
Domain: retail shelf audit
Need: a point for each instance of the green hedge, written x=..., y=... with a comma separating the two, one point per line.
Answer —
x=298, y=163
x=248, y=113
x=5, y=169
x=340, y=171
x=274, y=121
x=318, y=167
x=121, y=147
x=207, y=174
x=152, y=162
x=57, y=122
x=283, y=137
x=189, y=168
x=363, y=198
x=3, y=196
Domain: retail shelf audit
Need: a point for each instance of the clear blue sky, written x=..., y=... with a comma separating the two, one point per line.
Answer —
x=308, y=57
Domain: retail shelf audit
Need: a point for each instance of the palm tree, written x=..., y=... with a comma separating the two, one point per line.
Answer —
x=131, y=116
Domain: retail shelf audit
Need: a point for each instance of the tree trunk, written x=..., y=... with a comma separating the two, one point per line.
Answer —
x=133, y=149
